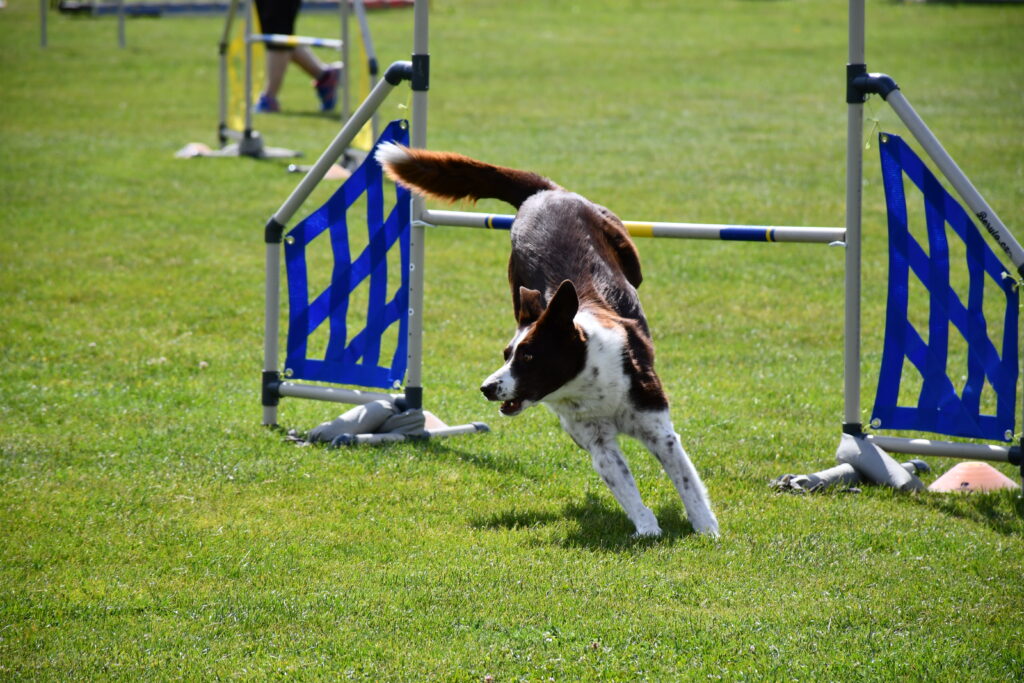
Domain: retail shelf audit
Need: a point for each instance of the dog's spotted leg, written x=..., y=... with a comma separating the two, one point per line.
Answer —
x=656, y=432
x=598, y=438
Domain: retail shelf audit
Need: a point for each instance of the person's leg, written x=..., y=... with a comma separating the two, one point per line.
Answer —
x=325, y=76
x=275, y=17
x=308, y=61
x=277, y=65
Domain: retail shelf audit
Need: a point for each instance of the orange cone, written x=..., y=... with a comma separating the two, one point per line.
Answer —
x=973, y=476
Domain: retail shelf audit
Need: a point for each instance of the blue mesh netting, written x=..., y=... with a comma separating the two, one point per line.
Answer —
x=940, y=409
x=352, y=356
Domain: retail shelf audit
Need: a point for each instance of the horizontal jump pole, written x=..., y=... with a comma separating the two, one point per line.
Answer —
x=285, y=40
x=425, y=435
x=947, y=449
x=333, y=394
x=704, y=231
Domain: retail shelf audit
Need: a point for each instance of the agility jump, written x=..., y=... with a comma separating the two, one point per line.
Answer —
x=1001, y=372
x=235, y=130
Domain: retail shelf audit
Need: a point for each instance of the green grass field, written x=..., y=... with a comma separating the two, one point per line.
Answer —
x=150, y=528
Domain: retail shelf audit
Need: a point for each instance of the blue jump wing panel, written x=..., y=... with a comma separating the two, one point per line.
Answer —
x=940, y=409
x=352, y=356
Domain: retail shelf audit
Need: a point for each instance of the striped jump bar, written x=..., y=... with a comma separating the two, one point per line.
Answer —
x=285, y=40
x=700, y=231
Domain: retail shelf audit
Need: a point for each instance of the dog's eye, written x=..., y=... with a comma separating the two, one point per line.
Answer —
x=527, y=358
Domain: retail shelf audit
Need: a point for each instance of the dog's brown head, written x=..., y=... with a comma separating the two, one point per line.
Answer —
x=548, y=350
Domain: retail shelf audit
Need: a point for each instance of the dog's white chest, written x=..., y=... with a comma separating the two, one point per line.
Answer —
x=600, y=389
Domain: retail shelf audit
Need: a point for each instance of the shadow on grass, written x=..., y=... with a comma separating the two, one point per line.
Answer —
x=435, y=450
x=488, y=461
x=440, y=451
x=1001, y=511
x=597, y=525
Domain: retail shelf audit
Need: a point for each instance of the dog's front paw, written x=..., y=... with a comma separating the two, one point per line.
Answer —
x=707, y=527
x=647, y=531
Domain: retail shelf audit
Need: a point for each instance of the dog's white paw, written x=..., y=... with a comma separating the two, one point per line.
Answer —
x=647, y=531
x=707, y=528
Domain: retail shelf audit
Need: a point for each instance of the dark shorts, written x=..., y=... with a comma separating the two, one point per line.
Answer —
x=278, y=16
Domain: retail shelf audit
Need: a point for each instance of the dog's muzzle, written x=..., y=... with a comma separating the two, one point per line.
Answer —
x=495, y=391
x=490, y=390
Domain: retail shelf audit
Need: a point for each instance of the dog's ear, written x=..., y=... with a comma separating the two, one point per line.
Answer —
x=563, y=305
x=531, y=305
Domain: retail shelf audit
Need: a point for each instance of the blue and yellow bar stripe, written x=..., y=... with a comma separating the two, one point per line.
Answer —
x=285, y=40
x=637, y=229
x=496, y=221
x=748, y=234
x=739, y=233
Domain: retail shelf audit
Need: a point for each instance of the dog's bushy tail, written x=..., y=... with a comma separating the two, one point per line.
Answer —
x=451, y=176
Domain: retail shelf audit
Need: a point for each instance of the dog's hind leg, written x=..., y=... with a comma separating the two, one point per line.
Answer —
x=656, y=432
x=598, y=438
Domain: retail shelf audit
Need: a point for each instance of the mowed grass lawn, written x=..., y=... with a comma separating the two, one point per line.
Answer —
x=151, y=528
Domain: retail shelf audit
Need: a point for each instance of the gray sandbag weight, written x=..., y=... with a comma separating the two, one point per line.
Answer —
x=363, y=419
x=407, y=422
x=844, y=475
x=875, y=465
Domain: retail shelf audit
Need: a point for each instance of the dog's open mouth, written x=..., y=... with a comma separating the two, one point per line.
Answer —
x=512, y=407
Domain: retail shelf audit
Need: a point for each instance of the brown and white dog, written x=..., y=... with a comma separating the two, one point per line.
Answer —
x=582, y=345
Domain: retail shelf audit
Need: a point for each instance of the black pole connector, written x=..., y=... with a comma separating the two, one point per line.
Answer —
x=421, y=72
x=860, y=84
x=854, y=429
x=373, y=66
x=273, y=231
x=398, y=72
x=414, y=397
x=1016, y=457
x=271, y=386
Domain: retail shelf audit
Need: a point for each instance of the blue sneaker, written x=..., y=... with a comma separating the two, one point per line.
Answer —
x=267, y=105
x=327, y=88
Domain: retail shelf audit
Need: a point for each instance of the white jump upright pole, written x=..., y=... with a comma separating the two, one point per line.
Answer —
x=418, y=138
x=854, y=170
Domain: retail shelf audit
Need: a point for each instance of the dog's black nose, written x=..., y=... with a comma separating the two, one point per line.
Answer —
x=490, y=390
